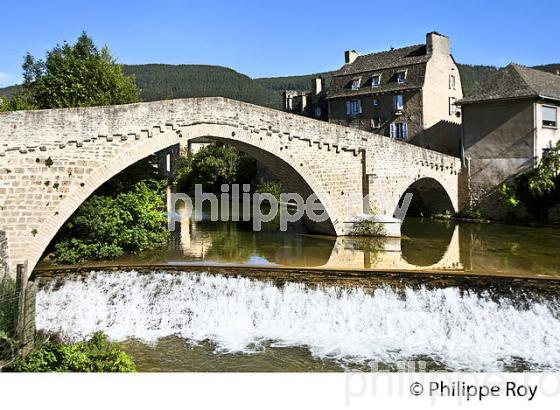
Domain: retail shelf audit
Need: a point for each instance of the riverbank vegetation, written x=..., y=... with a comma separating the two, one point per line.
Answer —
x=538, y=189
x=97, y=354
x=214, y=165
x=125, y=215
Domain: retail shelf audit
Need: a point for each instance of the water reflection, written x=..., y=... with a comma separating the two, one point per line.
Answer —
x=425, y=245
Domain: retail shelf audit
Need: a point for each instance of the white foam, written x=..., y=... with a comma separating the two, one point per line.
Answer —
x=461, y=330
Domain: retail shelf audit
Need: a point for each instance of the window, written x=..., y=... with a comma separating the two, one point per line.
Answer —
x=401, y=77
x=451, y=82
x=452, y=106
x=399, y=131
x=355, y=84
x=354, y=107
x=375, y=102
x=317, y=112
x=375, y=80
x=399, y=102
x=375, y=122
x=549, y=116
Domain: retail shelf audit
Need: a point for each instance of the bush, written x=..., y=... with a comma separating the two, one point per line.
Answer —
x=538, y=189
x=214, y=165
x=270, y=187
x=106, y=227
x=469, y=214
x=95, y=355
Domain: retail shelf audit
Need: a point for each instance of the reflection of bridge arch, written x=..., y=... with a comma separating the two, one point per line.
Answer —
x=52, y=160
x=349, y=253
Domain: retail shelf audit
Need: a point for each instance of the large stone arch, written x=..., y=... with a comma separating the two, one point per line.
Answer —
x=52, y=160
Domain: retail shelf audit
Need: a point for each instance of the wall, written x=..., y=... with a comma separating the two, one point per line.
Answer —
x=3, y=255
x=52, y=160
x=546, y=136
x=436, y=91
x=498, y=143
x=412, y=112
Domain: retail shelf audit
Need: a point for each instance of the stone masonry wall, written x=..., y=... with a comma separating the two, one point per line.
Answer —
x=52, y=160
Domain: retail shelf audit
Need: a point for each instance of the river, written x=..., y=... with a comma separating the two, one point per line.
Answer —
x=487, y=299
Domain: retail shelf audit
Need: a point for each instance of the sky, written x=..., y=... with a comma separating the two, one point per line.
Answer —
x=278, y=38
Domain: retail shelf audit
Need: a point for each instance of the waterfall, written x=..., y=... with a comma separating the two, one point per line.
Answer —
x=464, y=330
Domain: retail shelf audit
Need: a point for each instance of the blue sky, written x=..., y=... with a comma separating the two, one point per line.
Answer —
x=277, y=38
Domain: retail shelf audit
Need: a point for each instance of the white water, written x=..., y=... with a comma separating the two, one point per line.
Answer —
x=463, y=331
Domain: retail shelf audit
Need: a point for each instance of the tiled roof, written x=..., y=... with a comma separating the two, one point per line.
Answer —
x=516, y=81
x=388, y=88
x=386, y=59
x=341, y=84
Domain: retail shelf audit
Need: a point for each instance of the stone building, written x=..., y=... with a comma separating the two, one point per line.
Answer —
x=507, y=125
x=407, y=94
x=312, y=103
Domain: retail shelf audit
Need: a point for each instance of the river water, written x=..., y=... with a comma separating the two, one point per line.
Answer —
x=189, y=319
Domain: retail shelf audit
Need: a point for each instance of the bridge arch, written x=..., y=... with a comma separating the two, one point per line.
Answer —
x=52, y=160
x=429, y=197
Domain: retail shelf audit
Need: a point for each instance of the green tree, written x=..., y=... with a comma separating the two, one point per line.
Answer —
x=78, y=75
x=217, y=164
x=538, y=189
x=106, y=227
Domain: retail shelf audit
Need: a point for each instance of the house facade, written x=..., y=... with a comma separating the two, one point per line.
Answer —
x=507, y=126
x=408, y=94
x=312, y=103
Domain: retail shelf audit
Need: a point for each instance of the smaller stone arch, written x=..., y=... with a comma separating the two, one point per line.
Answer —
x=429, y=197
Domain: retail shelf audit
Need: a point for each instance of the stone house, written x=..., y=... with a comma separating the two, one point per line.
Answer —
x=407, y=94
x=507, y=125
x=312, y=103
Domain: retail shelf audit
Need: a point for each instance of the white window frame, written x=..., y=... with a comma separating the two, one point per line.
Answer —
x=355, y=84
x=452, y=81
x=398, y=102
x=373, y=85
x=376, y=123
x=552, y=108
x=353, y=107
x=399, y=131
x=403, y=81
x=375, y=102
x=452, y=105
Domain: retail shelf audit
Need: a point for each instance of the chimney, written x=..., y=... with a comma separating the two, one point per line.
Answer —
x=350, y=56
x=437, y=44
x=318, y=84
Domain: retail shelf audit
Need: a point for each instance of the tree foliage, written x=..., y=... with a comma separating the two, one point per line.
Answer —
x=538, y=189
x=214, y=165
x=94, y=355
x=78, y=75
x=105, y=227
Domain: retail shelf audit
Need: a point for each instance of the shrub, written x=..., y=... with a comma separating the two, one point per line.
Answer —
x=106, y=227
x=94, y=355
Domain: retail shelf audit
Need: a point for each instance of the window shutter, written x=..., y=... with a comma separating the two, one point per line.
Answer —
x=359, y=106
x=392, y=130
x=348, y=107
x=549, y=114
x=405, y=131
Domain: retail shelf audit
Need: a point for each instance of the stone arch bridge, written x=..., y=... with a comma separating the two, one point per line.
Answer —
x=52, y=160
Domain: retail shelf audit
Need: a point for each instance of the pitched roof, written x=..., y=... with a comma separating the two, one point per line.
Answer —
x=386, y=59
x=516, y=81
